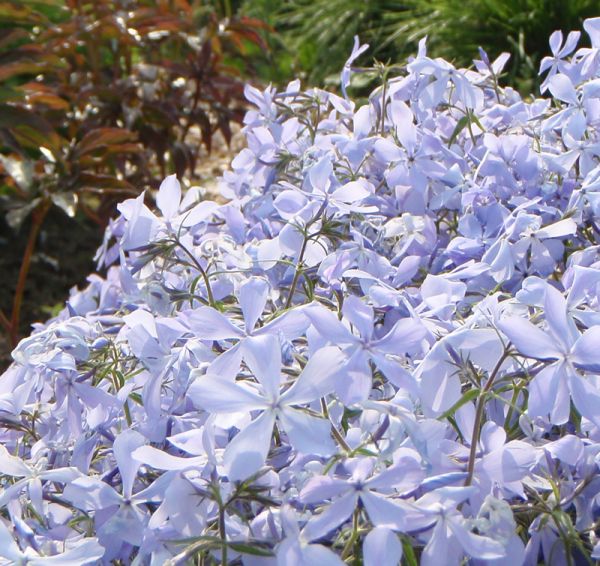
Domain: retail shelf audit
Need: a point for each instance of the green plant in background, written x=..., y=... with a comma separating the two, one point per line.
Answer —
x=318, y=33
x=101, y=98
x=456, y=28
x=316, y=36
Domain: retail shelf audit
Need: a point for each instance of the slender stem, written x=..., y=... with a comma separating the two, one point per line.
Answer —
x=223, y=535
x=577, y=491
x=127, y=413
x=37, y=220
x=563, y=535
x=481, y=401
x=336, y=433
x=202, y=271
x=227, y=8
x=4, y=321
x=288, y=302
x=383, y=102
x=354, y=535
x=92, y=215
x=511, y=407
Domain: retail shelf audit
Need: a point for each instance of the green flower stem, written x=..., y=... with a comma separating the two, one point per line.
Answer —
x=481, y=401
x=205, y=277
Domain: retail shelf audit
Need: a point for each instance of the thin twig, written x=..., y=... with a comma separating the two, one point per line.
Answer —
x=199, y=267
x=336, y=433
x=288, y=302
x=481, y=401
x=4, y=321
x=37, y=220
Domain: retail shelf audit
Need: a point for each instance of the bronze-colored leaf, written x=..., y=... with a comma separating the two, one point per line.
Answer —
x=102, y=138
x=30, y=129
x=93, y=182
x=12, y=13
x=16, y=68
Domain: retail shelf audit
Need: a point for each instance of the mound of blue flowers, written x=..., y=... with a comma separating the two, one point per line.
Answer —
x=384, y=347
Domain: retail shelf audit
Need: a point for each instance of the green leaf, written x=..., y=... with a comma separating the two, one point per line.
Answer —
x=364, y=452
x=460, y=126
x=408, y=553
x=470, y=395
x=476, y=121
x=192, y=540
x=256, y=549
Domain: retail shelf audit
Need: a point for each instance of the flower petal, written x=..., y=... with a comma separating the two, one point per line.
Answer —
x=169, y=196
x=318, y=378
x=586, y=351
x=329, y=326
x=360, y=315
x=88, y=551
x=476, y=546
x=528, y=339
x=262, y=355
x=381, y=547
x=586, y=398
x=405, y=334
x=11, y=465
x=8, y=547
x=217, y=394
x=161, y=460
x=333, y=515
x=247, y=452
x=291, y=324
x=560, y=324
x=392, y=513
x=123, y=447
x=209, y=324
x=253, y=298
x=562, y=88
x=320, y=488
x=543, y=389
x=307, y=434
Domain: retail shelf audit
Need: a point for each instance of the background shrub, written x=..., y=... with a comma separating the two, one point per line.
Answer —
x=318, y=33
x=100, y=99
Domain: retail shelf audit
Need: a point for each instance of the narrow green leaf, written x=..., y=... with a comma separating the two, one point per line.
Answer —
x=460, y=126
x=476, y=121
x=408, y=553
x=253, y=549
x=470, y=395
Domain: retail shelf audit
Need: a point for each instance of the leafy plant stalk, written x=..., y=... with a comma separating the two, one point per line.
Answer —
x=481, y=401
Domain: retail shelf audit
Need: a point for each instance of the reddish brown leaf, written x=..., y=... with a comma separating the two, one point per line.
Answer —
x=102, y=138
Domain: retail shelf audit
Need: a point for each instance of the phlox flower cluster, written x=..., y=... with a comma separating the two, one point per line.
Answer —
x=384, y=346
